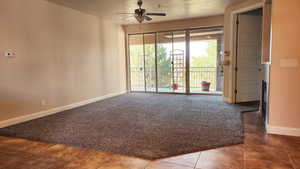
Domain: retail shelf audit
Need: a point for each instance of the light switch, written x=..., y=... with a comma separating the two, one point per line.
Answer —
x=289, y=63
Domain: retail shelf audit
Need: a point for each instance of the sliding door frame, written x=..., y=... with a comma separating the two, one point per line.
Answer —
x=144, y=59
x=156, y=72
x=187, y=60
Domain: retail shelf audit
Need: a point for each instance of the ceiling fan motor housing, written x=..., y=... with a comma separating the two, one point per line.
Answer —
x=141, y=15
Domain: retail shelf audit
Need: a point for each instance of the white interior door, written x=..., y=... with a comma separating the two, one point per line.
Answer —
x=248, y=58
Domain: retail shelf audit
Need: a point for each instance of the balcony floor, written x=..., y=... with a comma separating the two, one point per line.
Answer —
x=167, y=90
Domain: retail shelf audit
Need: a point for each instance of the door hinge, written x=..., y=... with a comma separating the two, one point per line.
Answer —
x=235, y=91
x=237, y=21
x=236, y=69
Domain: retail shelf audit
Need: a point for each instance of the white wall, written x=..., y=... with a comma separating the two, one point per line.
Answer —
x=63, y=56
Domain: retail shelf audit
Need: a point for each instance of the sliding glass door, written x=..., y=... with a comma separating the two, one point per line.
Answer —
x=158, y=61
x=142, y=62
x=164, y=61
x=179, y=61
x=150, y=68
x=137, y=63
x=205, y=53
x=171, y=62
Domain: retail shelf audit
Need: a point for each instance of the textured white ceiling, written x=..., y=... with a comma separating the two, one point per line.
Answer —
x=175, y=9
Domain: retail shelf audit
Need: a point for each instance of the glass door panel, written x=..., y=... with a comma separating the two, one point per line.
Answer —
x=136, y=53
x=205, y=51
x=164, y=61
x=179, y=62
x=150, y=72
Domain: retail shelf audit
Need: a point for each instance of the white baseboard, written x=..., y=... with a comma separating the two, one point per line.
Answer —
x=44, y=113
x=283, y=130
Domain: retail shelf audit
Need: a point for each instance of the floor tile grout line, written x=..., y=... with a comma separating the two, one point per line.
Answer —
x=197, y=160
x=244, y=156
x=291, y=159
x=147, y=165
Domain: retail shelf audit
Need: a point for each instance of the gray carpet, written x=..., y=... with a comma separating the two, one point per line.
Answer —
x=149, y=126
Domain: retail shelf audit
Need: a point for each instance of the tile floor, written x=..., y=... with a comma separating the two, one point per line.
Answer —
x=259, y=151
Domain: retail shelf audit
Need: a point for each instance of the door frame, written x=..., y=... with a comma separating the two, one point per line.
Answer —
x=187, y=52
x=233, y=41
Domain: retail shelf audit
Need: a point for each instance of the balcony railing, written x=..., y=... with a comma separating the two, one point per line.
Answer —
x=197, y=75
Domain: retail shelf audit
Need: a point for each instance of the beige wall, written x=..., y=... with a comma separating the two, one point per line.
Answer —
x=176, y=24
x=285, y=81
x=60, y=57
x=113, y=40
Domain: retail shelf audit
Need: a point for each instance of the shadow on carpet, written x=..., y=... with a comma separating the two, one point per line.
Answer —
x=149, y=126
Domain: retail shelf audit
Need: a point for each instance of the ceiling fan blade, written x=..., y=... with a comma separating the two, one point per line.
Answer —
x=148, y=18
x=157, y=14
x=126, y=13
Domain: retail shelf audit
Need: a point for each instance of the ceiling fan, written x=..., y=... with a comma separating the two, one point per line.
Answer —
x=141, y=15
